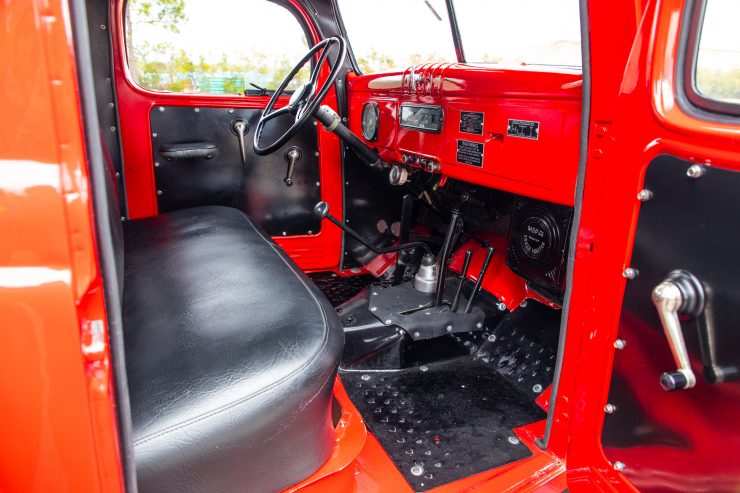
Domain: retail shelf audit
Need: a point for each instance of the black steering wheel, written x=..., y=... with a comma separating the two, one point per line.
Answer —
x=306, y=100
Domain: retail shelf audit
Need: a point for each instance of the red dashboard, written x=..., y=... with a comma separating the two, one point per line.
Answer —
x=511, y=129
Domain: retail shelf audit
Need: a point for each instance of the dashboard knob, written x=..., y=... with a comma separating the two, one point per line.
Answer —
x=398, y=175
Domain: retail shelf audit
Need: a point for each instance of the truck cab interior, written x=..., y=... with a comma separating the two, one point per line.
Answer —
x=324, y=264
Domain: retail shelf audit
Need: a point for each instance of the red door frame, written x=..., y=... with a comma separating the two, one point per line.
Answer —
x=634, y=117
x=320, y=251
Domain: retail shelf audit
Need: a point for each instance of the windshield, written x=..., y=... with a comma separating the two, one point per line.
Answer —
x=387, y=34
x=400, y=33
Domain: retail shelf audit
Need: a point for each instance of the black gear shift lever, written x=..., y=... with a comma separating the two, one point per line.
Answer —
x=321, y=211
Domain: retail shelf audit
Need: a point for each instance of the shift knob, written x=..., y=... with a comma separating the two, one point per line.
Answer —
x=321, y=210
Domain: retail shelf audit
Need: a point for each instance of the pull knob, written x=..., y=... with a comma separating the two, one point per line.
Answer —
x=240, y=128
x=681, y=293
x=293, y=156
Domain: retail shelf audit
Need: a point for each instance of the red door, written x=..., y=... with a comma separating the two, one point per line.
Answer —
x=182, y=98
x=657, y=279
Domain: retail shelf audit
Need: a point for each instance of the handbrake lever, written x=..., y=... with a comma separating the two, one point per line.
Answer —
x=321, y=211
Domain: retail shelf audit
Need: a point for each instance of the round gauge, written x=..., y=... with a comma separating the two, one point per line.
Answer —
x=370, y=120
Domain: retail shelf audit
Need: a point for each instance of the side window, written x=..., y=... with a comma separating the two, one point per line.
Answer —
x=213, y=46
x=716, y=73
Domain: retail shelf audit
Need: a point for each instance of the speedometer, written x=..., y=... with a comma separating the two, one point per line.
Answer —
x=370, y=120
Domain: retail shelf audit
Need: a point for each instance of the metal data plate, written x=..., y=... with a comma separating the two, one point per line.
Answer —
x=256, y=187
x=685, y=440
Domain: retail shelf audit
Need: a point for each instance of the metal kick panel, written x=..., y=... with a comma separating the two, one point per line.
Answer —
x=198, y=161
x=685, y=440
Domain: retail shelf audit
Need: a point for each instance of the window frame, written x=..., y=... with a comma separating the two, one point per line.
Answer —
x=689, y=97
x=288, y=5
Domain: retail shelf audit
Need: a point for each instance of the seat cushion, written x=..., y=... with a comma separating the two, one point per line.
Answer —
x=231, y=355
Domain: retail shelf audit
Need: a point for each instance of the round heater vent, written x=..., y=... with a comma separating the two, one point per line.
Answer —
x=537, y=237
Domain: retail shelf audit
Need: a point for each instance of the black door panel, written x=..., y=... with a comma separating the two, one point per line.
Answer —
x=198, y=162
x=686, y=440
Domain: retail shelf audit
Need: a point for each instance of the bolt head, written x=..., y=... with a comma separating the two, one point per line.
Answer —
x=492, y=338
x=388, y=322
x=537, y=388
x=610, y=408
x=696, y=171
x=501, y=307
x=620, y=344
x=630, y=273
x=417, y=334
x=417, y=470
x=479, y=325
x=644, y=195
x=513, y=440
x=449, y=328
x=619, y=466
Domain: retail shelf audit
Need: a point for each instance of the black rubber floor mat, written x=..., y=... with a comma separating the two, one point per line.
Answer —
x=445, y=421
x=339, y=289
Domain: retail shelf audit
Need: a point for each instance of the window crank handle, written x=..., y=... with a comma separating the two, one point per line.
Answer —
x=293, y=156
x=240, y=128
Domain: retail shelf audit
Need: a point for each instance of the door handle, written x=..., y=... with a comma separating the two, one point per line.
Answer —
x=188, y=150
x=681, y=293
x=240, y=128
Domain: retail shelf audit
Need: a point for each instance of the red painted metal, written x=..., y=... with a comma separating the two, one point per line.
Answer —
x=544, y=168
x=57, y=430
x=618, y=156
x=320, y=251
x=57, y=420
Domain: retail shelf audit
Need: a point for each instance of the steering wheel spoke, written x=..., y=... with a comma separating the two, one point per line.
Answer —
x=306, y=100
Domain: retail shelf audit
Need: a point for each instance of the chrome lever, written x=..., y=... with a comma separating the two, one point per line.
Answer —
x=681, y=293
x=293, y=156
x=240, y=128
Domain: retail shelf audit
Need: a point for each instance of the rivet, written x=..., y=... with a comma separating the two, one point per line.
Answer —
x=619, y=466
x=159, y=192
x=161, y=108
x=513, y=440
x=231, y=111
x=154, y=135
x=197, y=110
x=374, y=309
x=118, y=174
x=610, y=408
x=696, y=171
x=492, y=338
x=102, y=26
x=644, y=195
x=285, y=233
x=479, y=325
x=537, y=388
x=316, y=154
x=346, y=183
x=156, y=164
x=318, y=184
x=113, y=129
x=449, y=328
x=365, y=377
x=310, y=232
x=423, y=367
x=501, y=307
x=620, y=344
x=387, y=322
x=123, y=218
x=315, y=123
x=417, y=470
x=630, y=273
x=111, y=105
x=417, y=334
x=523, y=304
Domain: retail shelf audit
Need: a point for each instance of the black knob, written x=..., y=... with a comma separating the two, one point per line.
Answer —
x=674, y=380
x=321, y=210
